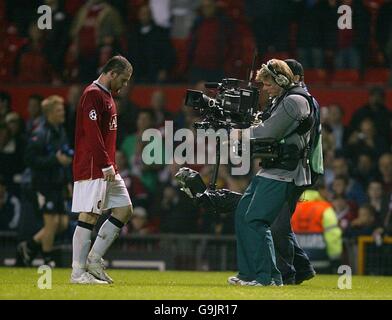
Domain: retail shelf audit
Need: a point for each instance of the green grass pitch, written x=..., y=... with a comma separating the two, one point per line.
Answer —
x=16, y=283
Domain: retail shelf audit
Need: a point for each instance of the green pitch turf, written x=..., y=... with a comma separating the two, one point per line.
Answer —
x=18, y=283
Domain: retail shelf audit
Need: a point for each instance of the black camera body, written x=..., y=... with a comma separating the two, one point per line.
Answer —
x=233, y=106
x=217, y=201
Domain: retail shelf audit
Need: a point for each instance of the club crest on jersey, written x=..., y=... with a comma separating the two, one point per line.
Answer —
x=93, y=115
x=113, y=122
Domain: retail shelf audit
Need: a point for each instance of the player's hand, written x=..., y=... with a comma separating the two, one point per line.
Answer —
x=63, y=159
x=109, y=174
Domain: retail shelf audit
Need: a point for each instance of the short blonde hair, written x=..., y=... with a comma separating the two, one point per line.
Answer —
x=279, y=66
x=50, y=102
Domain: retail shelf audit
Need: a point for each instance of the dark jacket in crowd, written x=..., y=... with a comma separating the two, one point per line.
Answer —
x=40, y=156
x=151, y=51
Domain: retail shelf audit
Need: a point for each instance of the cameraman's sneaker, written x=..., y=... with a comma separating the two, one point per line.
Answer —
x=86, y=278
x=254, y=283
x=97, y=270
x=234, y=281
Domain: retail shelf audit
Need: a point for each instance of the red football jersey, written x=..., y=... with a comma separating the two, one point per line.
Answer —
x=95, y=134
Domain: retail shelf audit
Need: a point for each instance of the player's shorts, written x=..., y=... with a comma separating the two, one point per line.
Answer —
x=98, y=195
x=50, y=202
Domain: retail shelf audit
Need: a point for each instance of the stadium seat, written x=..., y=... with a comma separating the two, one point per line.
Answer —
x=345, y=77
x=376, y=76
x=315, y=76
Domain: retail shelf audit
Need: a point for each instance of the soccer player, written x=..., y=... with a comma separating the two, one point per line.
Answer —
x=97, y=184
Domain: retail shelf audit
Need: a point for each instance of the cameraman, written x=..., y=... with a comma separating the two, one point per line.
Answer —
x=278, y=182
x=291, y=259
x=49, y=157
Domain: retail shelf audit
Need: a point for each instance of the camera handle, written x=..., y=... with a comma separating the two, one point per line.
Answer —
x=216, y=166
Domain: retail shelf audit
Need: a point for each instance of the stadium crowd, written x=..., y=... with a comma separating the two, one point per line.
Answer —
x=166, y=46
x=175, y=41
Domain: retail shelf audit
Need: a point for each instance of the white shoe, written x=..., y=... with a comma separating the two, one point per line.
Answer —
x=97, y=270
x=87, y=278
x=254, y=283
x=234, y=281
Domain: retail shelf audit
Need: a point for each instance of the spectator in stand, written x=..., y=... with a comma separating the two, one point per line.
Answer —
x=263, y=15
x=339, y=186
x=364, y=224
x=335, y=121
x=385, y=169
x=384, y=224
x=16, y=126
x=150, y=49
x=376, y=110
x=57, y=38
x=328, y=151
x=128, y=113
x=384, y=30
x=378, y=199
x=159, y=107
x=32, y=64
x=74, y=93
x=183, y=14
x=11, y=152
x=309, y=39
x=35, y=118
x=208, y=43
x=346, y=211
x=136, y=190
x=160, y=12
x=366, y=139
x=5, y=105
x=354, y=190
x=328, y=21
x=139, y=224
x=10, y=209
x=95, y=21
x=353, y=44
x=365, y=169
x=20, y=13
x=133, y=146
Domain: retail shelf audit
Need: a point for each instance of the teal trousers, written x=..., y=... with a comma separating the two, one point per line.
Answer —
x=256, y=211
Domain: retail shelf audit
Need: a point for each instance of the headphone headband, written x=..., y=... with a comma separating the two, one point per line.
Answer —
x=280, y=79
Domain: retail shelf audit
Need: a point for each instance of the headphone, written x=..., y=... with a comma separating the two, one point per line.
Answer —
x=280, y=79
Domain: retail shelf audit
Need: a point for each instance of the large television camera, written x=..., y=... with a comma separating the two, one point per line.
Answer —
x=233, y=106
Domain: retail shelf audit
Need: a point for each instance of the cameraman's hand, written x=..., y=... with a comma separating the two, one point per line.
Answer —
x=109, y=174
x=63, y=159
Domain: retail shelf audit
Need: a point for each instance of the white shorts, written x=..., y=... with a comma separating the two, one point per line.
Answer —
x=98, y=195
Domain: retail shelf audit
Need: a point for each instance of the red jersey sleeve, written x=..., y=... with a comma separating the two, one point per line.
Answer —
x=93, y=108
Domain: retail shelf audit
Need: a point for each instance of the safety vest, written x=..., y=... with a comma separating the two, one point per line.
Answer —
x=307, y=224
x=308, y=216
